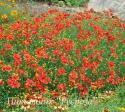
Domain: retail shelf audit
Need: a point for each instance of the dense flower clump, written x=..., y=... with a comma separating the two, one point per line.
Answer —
x=59, y=52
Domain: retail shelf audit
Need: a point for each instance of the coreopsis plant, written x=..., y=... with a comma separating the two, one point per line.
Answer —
x=62, y=53
x=8, y=11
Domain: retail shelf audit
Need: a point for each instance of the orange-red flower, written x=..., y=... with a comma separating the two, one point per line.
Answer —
x=61, y=71
x=64, y=60
x=29, y=83
x=73, y=75
x=41, y=53
x=61, y=87
x=10, y=37
x=1, y=82
x=8, y=47
x=6, y=68
x=17, y=59
x=13, y=82
x=111, y=64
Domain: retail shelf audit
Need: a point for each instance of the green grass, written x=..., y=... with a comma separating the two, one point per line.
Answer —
x=114, y=104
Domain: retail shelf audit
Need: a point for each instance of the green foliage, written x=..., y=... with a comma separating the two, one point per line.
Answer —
x=75, y=2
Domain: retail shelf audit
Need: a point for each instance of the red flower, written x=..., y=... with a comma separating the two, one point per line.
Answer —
x=34, y=65
x=71, y=62
x=52, y=11
x=123, y=64
x=8, y=47
x=16, y=26
x=55, y=32
x=28, y=58
x=72, y=82
x=38, y=20
x=38, y=85
x=10, y=37
x=80, y=87
x=61, y=71
x=1, y=36
x=111, y=64
x=68, y=45
x=44, y=78
x=112, y=50
x=93, y=43
x=54, y=60
x=123, y=41
x=73, y=75
x=84, y=47
x=64, y=60
x=85, y=78
x=17, y=59
x=78, y=51
x=43, y=89
x=55, y=94
x=112, y=73
x=100, y=58
x=57, y=52
x=84, y=91
x=59, y=26
x=86, y=65
x=6, y=68
x=29, y=83
x=41, y=53
x=95, y=64
x=61, y=87
x=27, y=42
x=1, y=82
x=91, y=56
x=40, y=70
x=111, y=38
x=20, y=71
x=13, y=82
x=97, y=84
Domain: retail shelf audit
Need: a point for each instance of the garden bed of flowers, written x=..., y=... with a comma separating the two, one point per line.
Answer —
x=59, y=55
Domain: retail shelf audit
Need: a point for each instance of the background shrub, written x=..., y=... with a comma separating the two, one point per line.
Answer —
x=67, y=2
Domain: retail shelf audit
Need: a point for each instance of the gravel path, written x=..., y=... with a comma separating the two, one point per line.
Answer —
x=36, y=8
